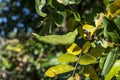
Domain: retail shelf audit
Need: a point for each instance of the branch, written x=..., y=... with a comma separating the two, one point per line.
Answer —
x=73, y=74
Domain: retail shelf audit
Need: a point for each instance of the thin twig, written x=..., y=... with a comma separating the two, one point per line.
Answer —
x=76, y=65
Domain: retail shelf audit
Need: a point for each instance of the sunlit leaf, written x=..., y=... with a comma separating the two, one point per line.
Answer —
x=59, y=69
x=87, y=59
x=39, y=4
x=74, y=49
x=64, y=2
x=86, y=47
x=90, y=71
x=114, y=70
x=89, y=28
x=111, y=58
x=98, y=22
x=67, y=58
x=57, y=39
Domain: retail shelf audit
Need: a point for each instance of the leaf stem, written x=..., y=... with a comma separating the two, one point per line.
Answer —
x=73, y=74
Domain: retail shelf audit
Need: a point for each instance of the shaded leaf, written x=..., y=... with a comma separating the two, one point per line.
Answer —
x=86, y=47
x=57, y=39
x=114, y=7
x=97, y=51
x=59, y=69
x=87, y=59
x=67, y=58
x=91, y=72
x=59, y=18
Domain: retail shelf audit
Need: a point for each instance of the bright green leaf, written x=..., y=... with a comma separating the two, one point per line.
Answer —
x=57, y=39
x=39, y=4
x=115, y=69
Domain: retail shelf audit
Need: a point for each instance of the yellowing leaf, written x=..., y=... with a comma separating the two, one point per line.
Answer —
x=57, y=39
x=114, y=9
x=89, y=28
x=89, y=71
x=115, y=6
x=67, y=58
x=59, y=69
x=115, y=69
x=99, y=20
x=76, y=77
x=74, y=49
x=86, y=47
x=87, y=59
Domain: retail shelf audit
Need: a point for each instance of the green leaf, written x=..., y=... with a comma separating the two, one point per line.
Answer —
x=117, y=22
x=112, y=56
x=39, y=4
x=58, y=39
x=106, y=2
x=72, y=23
x=111, y=31
x=67, y=58
x=77, y=16
x=97, y=51
x=102, y=61
x=64, y=2
x=105, y=24
x=87, y=59
x=115, y=69
x=59, y=69
x=59, y=18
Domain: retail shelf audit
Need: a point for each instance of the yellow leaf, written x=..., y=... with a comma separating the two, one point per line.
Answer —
x=76, y=77
x=86, y=47
x=59, y=69
x=114, y=9
x=74, y=49
x=89, y=71
x=89, y=28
